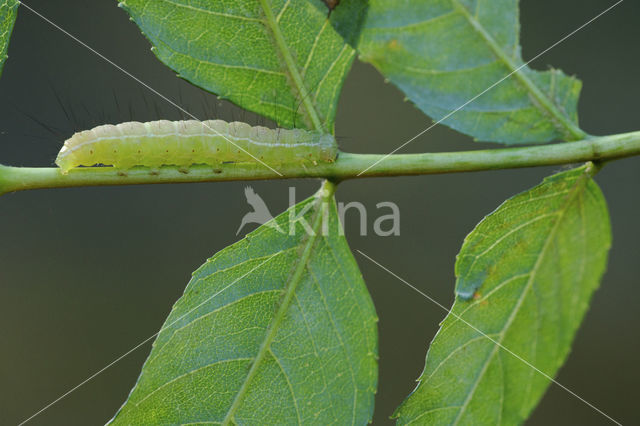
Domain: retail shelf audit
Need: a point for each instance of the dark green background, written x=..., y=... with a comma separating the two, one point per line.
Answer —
x=86, y=274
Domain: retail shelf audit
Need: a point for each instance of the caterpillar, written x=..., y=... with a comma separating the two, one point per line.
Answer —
x=188, y=142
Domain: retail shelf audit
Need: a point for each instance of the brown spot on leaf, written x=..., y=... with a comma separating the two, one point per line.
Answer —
x=331, y=4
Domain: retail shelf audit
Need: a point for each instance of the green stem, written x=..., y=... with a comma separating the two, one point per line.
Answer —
x=347, y=166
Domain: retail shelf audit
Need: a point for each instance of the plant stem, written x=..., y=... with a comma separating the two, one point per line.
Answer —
x=347, y=166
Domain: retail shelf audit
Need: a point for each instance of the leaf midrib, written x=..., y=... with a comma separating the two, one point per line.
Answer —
x=290, y=64
x=516, y=308
x=563, y=123
x=327, y=192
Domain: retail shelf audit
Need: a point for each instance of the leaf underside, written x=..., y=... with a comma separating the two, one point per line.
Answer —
x=8, y=13
x=443, y=53
x=275, y=329
x=232, y=49
x=525, y=276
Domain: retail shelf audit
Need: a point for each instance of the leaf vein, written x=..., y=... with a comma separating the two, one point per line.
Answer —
x=188, y=373
x=518, y=304
x=211, y=12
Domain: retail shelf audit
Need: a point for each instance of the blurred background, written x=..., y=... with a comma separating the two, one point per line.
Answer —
x=88, y=273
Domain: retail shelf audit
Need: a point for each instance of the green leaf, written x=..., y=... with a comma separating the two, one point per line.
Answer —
x=525, y=277
x=8, y=13
x=275, y=329
x=443, y=53
x=282, y=59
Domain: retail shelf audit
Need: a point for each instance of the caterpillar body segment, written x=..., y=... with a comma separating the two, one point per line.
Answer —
x=184, y=143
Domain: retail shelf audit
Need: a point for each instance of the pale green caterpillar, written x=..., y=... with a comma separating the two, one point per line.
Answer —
x=184, y=143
